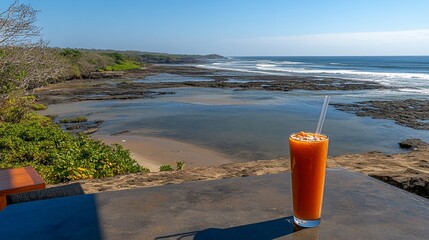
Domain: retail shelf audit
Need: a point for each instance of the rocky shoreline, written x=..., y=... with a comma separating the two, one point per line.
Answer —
x=109, y=87
x=413, y=113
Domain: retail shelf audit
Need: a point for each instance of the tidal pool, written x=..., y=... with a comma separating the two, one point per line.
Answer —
x=244, y=125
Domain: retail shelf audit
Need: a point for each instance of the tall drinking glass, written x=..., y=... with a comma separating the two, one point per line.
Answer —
x=308, y=153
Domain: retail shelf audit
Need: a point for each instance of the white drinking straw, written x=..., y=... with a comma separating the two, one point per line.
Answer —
x=322, y=115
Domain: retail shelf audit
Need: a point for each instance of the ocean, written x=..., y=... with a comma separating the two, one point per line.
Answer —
x=410, y=74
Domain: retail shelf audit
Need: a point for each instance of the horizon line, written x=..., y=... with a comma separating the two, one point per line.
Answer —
x=204, y=54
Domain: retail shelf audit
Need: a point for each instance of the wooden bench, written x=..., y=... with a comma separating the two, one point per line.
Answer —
x=18, y=180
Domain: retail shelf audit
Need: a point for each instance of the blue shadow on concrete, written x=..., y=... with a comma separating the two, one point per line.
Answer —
x=31, y=220
x=267, y=230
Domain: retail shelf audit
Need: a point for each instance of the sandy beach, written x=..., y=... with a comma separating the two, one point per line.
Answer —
x=153, y=152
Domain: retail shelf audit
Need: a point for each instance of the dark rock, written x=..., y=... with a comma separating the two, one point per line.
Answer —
x=415, y=184
x=413, y=144
x=74, y=126
x=119, y=133
x=107, y=74
x=98, y=122
x=164, y=93
x=90, y=130
x=413, y=113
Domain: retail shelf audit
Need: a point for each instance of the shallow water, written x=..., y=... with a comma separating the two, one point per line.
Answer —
x=167, y=77
x=245, y=125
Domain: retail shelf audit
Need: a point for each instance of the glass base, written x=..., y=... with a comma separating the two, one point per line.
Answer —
x=306, y=223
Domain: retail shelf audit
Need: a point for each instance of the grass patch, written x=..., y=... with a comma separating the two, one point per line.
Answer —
x=74, y=120
x=122, y=66
x=165, y=168
x=38, y=106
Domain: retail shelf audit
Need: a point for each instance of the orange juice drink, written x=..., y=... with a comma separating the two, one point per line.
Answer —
x=308, y=153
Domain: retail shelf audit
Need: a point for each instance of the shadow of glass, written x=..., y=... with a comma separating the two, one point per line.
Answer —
x=256, y=231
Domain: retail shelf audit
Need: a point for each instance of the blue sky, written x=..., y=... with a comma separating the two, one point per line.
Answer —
x=234, y=27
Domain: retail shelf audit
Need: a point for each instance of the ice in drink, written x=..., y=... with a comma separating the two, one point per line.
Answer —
x=308, y=153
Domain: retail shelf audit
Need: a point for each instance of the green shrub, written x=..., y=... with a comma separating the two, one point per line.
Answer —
x=38, y=106
x=180, y=166
x=83, y=63
x=71, y=53
x=164, y=168
x=17, y=108
x=59, y=156
x=117, y=56
x=74, y=120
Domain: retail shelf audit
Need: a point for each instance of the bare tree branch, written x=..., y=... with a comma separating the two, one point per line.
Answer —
x=17, y=25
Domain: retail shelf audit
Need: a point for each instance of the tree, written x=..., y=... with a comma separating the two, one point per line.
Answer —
x=28, y=66
x=26, y=61
x=83, y=64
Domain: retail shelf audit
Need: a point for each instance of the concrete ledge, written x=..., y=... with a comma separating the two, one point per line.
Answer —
x=355, y=207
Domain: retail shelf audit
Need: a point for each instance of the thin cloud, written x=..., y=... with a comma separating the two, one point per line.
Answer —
x=410, y=42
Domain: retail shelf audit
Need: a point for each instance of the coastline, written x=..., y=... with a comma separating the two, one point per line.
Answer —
x=408, y=170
